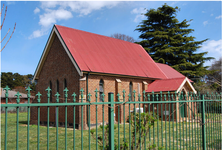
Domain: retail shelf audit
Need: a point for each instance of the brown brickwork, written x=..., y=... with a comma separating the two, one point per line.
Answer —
x=111, y=85
x=58, y=66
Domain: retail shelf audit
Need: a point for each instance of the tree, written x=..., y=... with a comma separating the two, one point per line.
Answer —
x=214, y=78
x=167, y=41
x=8, y=29
x=16, y=80
x=7, y=79
x=123, y=37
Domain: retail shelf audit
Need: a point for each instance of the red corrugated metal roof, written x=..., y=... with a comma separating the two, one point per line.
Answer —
x=97, y=53
x=169, y=71
x=165, y=85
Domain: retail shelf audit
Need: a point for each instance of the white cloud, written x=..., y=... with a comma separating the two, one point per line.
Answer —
x=139, y=12
x=174, y=3
x=37, y=10
x=212, y=46
x=205, y=23
x=218, y=17
x=58, y=10
x=214, y=49
x=51, y=16
x=211, y=14
x=35, y=34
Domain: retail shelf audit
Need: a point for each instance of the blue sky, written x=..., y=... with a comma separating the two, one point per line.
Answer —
x=35, y=19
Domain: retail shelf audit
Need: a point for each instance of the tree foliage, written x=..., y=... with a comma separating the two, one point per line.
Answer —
x=168, y=41
x=123, y=37
x=16, y=80
x=214, y=78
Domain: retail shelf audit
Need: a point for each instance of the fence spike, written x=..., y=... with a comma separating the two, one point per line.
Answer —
x=57, y=97
x=152, y=95
x=28, y=93
x=161, y=95
x=6, y=91
x=129, y=97
x=38, y=97
x=74, y=97
x=89, y=95
x=164, y=97
x=96, y=91
x=103, y=95
x=157, y=97
x=48, y=93
x=134, y=95
x=148, y=97
x=18, y=99
x=124, y=93
x=66, y=92
x=139, y=96
x=168, y=94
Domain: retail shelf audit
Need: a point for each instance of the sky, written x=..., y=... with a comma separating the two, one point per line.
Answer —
x=35, y=19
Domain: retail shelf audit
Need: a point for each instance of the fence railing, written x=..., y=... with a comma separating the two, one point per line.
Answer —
x=161, y=120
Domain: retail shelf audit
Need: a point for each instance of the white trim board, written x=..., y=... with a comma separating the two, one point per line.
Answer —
x=183, y=83
x=53, y=33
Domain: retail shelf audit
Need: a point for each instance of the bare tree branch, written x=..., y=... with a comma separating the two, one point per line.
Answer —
x=4, y=16
x=9, y=28
x=123, y=37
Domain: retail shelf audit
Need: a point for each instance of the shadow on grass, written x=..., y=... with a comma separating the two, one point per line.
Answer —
x=216, y=144
x=23, y=122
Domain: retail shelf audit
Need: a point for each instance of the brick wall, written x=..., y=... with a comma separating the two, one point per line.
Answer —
x=57, y=66
x=111, y=84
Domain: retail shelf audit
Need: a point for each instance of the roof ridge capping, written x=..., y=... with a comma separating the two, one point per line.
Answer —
x=95, y=34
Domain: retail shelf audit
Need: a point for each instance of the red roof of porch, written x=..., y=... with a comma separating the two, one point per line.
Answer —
x=165, y=85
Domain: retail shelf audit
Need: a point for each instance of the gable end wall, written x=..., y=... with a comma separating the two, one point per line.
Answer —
x=57, y=66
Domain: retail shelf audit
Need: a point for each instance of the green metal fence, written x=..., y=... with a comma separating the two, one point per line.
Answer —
x=162, y=121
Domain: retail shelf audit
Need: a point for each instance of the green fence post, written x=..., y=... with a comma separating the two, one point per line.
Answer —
x=17, y=120
x=111, y=120
x=203, y=123
x=38, y=100
x=6, y=113
x=28, y=116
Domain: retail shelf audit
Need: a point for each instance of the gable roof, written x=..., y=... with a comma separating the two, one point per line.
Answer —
x=165, y=85
x=169, y=71
x=91, y=52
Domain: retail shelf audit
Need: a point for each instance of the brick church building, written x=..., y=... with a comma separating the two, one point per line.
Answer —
x=77, y=59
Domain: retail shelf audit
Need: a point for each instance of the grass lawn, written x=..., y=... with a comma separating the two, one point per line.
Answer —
x=186, y=135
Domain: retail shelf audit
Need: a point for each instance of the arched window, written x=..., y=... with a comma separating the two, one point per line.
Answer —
x=101, y=89
x=131, y=90
x=50, y=86
x=57, y=86
x=65, y=83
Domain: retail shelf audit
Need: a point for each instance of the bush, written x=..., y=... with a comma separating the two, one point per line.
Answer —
x=142, y=124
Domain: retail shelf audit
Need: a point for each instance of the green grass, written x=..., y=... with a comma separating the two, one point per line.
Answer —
x=187, y=135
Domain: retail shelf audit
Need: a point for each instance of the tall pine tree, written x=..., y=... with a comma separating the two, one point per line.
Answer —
x=167, y=41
